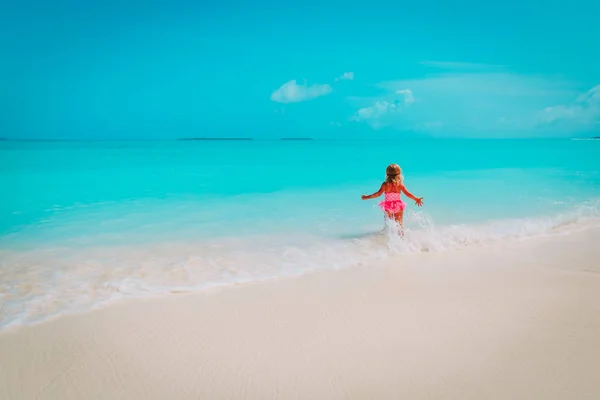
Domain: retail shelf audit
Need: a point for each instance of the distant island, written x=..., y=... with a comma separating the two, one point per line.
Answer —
x=209, y=138
x=299, y=138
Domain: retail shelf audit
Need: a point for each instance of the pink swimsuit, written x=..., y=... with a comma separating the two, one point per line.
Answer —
x=392, y=203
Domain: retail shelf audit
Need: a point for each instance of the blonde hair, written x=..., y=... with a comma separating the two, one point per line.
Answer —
x=394, y=174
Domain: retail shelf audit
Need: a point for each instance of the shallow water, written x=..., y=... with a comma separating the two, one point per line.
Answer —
x=82, y=223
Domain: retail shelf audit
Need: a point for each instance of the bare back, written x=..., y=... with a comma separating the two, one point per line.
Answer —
x=391, y=187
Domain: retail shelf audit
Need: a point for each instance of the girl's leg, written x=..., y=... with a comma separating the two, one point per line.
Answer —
x=399, y=217
x=388, y=217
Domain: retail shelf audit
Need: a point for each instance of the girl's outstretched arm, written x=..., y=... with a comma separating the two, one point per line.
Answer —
x=374, y=195
x=418, y=200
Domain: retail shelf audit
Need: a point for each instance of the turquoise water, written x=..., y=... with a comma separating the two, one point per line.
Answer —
x=83, y=223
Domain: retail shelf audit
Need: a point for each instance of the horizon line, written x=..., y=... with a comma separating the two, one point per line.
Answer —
x=293, y=139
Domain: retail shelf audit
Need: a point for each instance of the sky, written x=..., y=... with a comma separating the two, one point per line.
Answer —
x=323, y=69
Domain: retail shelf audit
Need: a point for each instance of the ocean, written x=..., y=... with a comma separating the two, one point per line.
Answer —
x=87, y=223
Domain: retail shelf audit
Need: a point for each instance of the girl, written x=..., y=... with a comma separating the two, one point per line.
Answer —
x=393, y=187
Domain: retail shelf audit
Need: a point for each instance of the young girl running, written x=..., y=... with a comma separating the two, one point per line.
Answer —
x=392, y=205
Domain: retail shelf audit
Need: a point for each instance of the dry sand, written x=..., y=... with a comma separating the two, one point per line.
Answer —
x=517, y=320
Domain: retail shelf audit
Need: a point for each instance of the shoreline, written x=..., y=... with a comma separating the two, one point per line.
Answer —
x=561, y=225
x=570, y=228
x=518, y=319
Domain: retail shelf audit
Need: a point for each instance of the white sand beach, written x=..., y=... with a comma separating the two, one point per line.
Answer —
x=513, y=320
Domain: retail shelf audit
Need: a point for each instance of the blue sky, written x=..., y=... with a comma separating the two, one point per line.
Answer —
x=129, y=70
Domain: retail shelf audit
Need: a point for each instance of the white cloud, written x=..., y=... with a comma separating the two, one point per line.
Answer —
x=377, y=110
x=478, y=104
x=407, y=94
x=347, y=76
x=584, y=113
x=550, y=114
x=592, y=97
x=292, y=92
x=377, y=114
